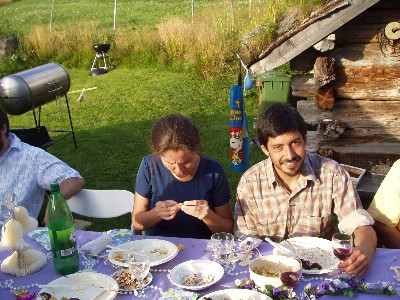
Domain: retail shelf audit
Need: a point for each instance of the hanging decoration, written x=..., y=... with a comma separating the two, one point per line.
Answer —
x=239, y=136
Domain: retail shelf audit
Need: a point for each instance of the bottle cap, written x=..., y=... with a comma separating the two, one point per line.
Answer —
x=54, y=187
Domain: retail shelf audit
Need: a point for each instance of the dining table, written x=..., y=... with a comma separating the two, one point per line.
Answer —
x=380, y=270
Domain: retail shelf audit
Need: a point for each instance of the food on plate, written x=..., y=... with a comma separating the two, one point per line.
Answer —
x=265, y=271
x=317, y=258
x=47, y=296
x=196, y=279
x=126, y=281
x=308, y=265
x=119, y=257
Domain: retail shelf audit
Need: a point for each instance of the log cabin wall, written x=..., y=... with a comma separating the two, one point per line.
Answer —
x=361, y=91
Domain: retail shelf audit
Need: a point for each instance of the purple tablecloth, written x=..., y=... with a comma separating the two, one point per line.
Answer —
x=195, y=249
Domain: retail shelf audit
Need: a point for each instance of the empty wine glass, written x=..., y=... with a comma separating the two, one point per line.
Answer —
x=222, y=244
x=290, y=271
x=342, y=245
x=139, y=265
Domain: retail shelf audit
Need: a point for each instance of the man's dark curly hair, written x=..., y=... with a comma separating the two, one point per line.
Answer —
x=4, y=120
x=279, y=119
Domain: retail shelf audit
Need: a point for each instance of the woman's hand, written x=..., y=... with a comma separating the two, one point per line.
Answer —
x=167, y=209
x=196, y=208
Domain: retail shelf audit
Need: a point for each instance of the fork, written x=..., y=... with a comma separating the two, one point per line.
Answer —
x=285, y=250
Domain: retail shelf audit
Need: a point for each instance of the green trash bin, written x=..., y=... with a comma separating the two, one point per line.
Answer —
x=274, y=89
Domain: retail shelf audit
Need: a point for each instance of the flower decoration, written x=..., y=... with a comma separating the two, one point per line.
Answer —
x=345, y=284
x=348, y=285
x=269, y=290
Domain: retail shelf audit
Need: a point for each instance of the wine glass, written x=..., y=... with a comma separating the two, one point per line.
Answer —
x=139, y=265
x=290, y=271
x=222, y=244
x=342, y=245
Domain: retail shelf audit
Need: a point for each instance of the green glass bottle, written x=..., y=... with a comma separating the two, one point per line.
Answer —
x=62, y=233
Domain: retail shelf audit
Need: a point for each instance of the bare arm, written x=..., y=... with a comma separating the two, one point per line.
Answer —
x=365, y=243
x=71, y=186
x=68, y=188
x=389, y=236
x=143, y=218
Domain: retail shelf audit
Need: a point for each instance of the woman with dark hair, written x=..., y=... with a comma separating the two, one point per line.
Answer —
x=179, y=192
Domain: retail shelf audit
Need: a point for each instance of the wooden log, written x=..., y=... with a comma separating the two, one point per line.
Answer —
x=325, y=98
x=303, y=85
x=361, y=83
x=363, y=55
x=370, y=83
x=365, y=121
x=324, y=70
x=362, y=154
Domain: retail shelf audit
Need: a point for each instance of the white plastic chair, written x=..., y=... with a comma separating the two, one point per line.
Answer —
x=102, y=203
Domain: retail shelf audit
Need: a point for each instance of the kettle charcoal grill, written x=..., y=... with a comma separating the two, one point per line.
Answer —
x=30, y=89
x=101, y=63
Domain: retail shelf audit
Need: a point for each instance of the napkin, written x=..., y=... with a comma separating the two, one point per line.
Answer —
x=98, y=245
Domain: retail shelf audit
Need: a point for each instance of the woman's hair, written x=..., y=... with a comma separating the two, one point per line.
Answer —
x=4, y=120
x=175, y=132
x=279, y=119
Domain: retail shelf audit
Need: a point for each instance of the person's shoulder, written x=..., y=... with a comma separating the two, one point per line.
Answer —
x=396, y=166
x=210, y=164
x=323, y=164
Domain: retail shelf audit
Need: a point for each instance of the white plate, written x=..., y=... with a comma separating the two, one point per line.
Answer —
x=160, y=251
x=236, y=294
x=200, y=266
x=148, y=280
x=316, y=250
x=83, y=285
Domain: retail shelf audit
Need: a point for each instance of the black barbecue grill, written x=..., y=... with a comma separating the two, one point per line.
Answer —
x=29, y=90
x=101, y=63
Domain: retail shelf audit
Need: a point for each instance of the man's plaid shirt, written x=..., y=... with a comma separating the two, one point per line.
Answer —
x=324, y=188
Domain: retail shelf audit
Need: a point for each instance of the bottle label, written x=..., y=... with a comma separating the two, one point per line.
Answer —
x=63, y=242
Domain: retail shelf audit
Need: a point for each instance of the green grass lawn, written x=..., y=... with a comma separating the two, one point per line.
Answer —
x=113, y=123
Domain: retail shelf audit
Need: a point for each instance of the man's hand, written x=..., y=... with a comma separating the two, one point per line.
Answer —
x=363, y=252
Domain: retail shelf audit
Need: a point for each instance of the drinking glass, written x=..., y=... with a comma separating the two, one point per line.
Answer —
x=139, y=265
x=290, y=271
x=342, y=245
x=222, y=244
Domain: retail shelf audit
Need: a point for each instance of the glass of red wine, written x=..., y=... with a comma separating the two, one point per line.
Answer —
x=342, y=245
x=290, y=271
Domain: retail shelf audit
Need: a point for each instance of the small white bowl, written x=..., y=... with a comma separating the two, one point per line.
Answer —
x=204, y=267
x=269, y=262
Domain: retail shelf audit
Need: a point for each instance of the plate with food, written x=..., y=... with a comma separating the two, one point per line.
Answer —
x=196, y=275
x=159, y=251
x=128, y=284
x=82, y=285
x=318, y=251
x=235, y=294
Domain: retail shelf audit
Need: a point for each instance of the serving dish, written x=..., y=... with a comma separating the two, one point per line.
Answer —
x=196, y=275
x=137, y=285
x=235, y=294
x=83, y=285
x=265, y=270
x=160, y=251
